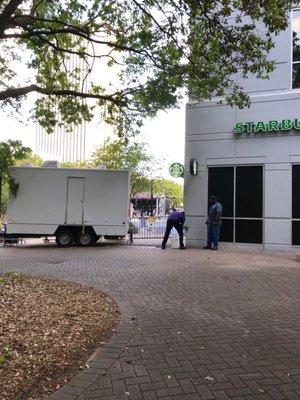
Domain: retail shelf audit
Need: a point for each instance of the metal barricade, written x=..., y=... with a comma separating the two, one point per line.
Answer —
x=150, y=227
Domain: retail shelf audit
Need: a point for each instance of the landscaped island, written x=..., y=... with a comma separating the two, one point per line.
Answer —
x=48, y=330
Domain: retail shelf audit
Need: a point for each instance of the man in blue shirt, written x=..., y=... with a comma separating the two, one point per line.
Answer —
x=214, y=223
x=176, y=219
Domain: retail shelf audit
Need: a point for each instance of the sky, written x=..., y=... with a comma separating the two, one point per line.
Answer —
x=163, y=134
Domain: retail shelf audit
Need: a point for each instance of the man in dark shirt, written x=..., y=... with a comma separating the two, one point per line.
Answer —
x=176, y=219
x=214, y=223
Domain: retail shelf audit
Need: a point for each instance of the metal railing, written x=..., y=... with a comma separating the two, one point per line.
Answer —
x=150, y=227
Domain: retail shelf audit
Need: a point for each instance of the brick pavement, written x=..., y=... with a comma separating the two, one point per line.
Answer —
x=195, y=324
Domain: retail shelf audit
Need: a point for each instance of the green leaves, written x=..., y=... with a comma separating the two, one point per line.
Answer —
x=10, y=152
x=172, y=190
x=130, y=156
x=135, y=57
x=5, y=355
x=134, y=157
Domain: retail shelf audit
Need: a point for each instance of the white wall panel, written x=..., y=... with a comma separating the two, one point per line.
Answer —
x=210, y=149
x=210, y=119
x=278, y=194
x=196, y=228
x=276, y=149
x=278, y=231
x=282, y=49
x=195, y=194
x=278, y=80
x=266, y=108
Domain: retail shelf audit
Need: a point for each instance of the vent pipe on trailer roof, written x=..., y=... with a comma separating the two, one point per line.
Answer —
x=50, y=164
x=27, y=165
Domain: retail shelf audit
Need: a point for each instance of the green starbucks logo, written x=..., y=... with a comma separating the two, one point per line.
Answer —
x=176, y=170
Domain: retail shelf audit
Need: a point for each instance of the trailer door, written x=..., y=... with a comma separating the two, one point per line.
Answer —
x=75, y=201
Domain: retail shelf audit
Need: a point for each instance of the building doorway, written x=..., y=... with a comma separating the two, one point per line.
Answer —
x=240, y=190
x=296, y=205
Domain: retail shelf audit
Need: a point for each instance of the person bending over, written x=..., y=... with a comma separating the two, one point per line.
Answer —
x=176, y=219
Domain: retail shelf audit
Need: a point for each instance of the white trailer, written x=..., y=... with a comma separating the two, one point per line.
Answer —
x=74, y=205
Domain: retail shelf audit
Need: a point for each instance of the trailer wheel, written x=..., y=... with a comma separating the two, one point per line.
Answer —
x=64, y=238
x=86, y=238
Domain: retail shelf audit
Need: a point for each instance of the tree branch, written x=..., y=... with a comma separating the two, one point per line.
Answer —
x=34, y=7
x=89, y=36
x=8, y=11
x=68, y=51
x=22, y=91
x=24, y=19
x=92, y=39
x=77, y=32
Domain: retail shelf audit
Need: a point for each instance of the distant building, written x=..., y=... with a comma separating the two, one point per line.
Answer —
x=78, y=144
x=61, y=145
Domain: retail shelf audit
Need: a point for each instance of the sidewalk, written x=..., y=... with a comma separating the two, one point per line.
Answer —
x=195, y=324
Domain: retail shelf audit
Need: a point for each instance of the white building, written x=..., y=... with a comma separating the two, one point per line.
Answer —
x=79, y=144
x=250, y=158
x=61, y=145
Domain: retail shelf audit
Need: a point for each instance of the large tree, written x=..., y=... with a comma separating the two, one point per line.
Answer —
x=173, y=190
x=30, y=158
x=130, y=156
x=11, y=152
x=163, y=49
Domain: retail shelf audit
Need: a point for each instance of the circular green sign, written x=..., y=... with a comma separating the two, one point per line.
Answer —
x=176, y=170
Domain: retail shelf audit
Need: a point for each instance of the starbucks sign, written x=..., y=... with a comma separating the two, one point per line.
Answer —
x=193, y=166
x=265, y=127
x=176, y=170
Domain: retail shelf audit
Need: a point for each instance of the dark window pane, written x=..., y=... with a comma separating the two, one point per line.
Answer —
x=296, y=191
x=226, y=233
x=296, y=76
x=296, y=35
x=248, y=231
x=249, y=188
x=220, y=184
x=296, y=233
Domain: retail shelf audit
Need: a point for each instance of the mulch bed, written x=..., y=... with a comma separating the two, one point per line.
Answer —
x=48, y=329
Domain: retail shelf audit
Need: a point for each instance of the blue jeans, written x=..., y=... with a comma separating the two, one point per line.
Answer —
x=178, y=226
x=213, y=233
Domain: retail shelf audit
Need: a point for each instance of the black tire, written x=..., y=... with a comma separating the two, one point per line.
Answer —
x=86, y=238
x=64, y=238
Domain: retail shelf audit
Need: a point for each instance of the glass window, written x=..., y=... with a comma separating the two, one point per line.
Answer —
x=296, y=48
x=242, y=222
x=296, y=191
x=248, y=231
x=249, y=192
x=296, y=205
x=220, y=184
x=226, y=233
x=296, y=75
x=296, y=233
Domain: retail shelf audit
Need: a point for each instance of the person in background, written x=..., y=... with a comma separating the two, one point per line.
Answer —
x=176, y=219
x=143, y=220
x=214, y=223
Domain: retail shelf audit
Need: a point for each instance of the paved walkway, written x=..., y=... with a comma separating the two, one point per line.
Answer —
x=195, y=324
